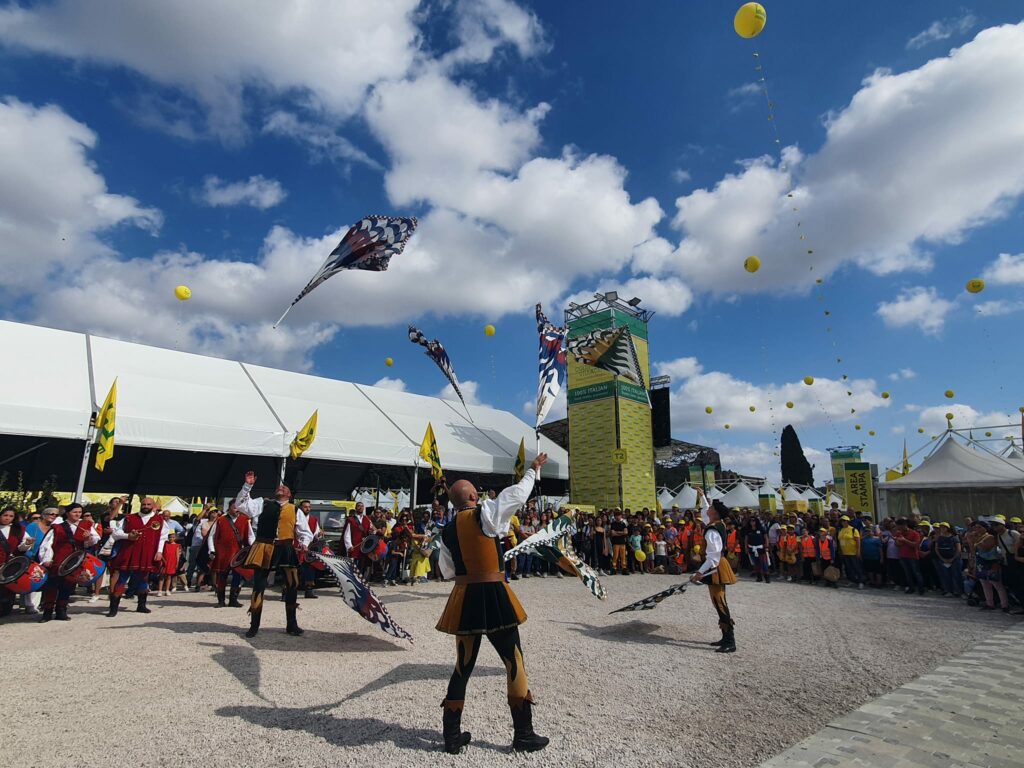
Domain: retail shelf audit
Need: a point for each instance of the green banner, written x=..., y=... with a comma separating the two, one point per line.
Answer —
x=592, y=392
x=631, y=391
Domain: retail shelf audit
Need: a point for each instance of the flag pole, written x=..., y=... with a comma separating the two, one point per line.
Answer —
x=415, y=481
x=284, y=464
x=90, y=436
x=281, y=319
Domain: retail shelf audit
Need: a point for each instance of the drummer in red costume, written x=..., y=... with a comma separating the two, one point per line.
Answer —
x=231, y=532
x=66, y=536
x=141, y=538
x=13, y=542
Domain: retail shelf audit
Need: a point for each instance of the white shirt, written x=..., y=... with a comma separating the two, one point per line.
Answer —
x=118, y=533
x=254, y=508
x=46, y=547
x=23, y=546
x=213, y=531
x=712, y=540
x=495, y=516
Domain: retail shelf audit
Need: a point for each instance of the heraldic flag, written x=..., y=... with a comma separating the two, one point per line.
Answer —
x=521, y=460
x=105, y=423
x=305, y=437
x=611, y=350
x=430, y=454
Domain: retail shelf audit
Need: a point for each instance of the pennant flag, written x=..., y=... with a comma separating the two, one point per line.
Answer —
x=358, y=596
x=437, y=353
x=552, y=364
x=649, y=603
x=906, y=459
x=305, y=437
x=521, y=460
x=553, y=544
x=430, y=454
x=368, y=245
x=105, y=424
x=610, y=350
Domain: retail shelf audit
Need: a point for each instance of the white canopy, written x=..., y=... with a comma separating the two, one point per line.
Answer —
x=185, y=402
x=685, y=499
x=714, y=493
x=834, y=497
x=665, y=497
x=952, y=465
x=739, y=496
x=175, y=506
x=767, y=490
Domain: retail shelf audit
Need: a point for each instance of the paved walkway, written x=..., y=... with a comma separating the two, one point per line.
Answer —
x=968, y=713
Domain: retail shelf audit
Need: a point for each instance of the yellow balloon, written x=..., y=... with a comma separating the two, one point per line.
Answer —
x=885, y=395
x=753, y=408
x=808, y=380
x=726, y=426
x=857, y=427
x=988, y=434
x=489, y=330
x=183, y=293
x=920, y=430
x=750, y=20
x=751, y=264
x=640, y=555
x=977, y=285
x=871, y=432
x=950, y=394
x=388, y=362
x=949, y=416
x=709, y=409
x=789, y=404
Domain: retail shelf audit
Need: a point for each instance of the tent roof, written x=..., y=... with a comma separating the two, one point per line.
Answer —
x=170, y=400
x=686, y=498
x=740, y=495
x=952, y=465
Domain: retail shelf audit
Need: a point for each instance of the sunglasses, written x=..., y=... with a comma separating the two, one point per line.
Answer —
x=34, y=517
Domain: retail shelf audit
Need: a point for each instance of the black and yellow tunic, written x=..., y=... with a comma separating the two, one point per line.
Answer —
x=275, y=538
x=481, y=601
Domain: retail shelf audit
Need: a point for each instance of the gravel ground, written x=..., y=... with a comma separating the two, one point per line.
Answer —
x=631, y=689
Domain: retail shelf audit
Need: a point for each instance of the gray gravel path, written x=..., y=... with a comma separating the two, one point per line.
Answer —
x=630, y=689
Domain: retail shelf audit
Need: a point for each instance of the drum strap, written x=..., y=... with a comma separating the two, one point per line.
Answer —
x=238, y=538
x=5, y=543
x=71, y=535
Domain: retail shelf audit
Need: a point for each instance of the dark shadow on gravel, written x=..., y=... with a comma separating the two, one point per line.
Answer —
x=345, y=732
x=638, y=632
x=242, y=663
x=405, y=673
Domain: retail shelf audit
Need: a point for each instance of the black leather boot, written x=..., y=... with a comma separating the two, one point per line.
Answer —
x=721, y=642
x=454, y=737
x=220, y=599
x=524, y=739
x=143, y=596
x=254, y=621
x=62, y=612
x=47, y=615
x=293, y=625
x=310, y=595
x=729, y=644
x=233, y=599
x=115, y=601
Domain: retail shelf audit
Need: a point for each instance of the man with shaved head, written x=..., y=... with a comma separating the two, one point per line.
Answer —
x=482, y=603
x=140, y=540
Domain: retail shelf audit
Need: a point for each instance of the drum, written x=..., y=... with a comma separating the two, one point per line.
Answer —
x=238, y=565
x=373, y=547
x=82, y=568
x=21, y=575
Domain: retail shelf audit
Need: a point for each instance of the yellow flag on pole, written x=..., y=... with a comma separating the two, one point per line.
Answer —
x=906, y=462
x=305, y=437
x=521, y=460
x=430, y=454
x=105, y=424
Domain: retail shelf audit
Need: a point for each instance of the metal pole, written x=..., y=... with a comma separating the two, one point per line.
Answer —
x=85, y=458
x=415, y=481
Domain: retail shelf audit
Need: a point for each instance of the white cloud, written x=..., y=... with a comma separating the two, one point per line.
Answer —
x=898, y=430
x=918, y=306
x=761, y=459
x=903, y=374
x=256, y=191
x=483, y=26
x=680, y=368
x=942, y=29
x=666, y=296
x=998, y=308
x=744, y=95
x=933, y=419
x=322, y=141
x=680, y=176
x=1006, y=270
x=214, y=51
x=559, y=410
x=396, y=385
x=469, y=388
x=55, y=207
x=915, y=159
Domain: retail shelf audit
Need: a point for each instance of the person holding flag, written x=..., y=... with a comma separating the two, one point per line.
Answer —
x=716, y=571
x=483, y=604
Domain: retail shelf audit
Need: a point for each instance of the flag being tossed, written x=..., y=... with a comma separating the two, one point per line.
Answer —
x=369, y=244
x=358, y=596
x=612, y=350
x=553, y=544
x=436, y=352
x=649, y=603
x=551, y=364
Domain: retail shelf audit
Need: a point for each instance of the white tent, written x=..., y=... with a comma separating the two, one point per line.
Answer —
x=175, y=506
x=665, y=497
x=834, y=497
x=714, y=493
x=740, y=495
x=170, y=401
x=810, y=494
x=685, y=499
x=767, y=490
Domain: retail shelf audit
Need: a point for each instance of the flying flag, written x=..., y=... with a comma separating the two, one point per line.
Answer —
x=552, y=364
x=649, y=603
x=437, y=353
x=521, y=460
x=430, y=454
x=610, y=349
x=105, y=424
x=368, y=244
x=358, y=596
x=305, y=437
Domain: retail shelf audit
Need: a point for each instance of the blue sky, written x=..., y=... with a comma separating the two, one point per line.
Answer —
x=550, y=150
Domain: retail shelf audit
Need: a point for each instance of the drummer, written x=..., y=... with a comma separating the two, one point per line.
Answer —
x=66, y=536
x=13, y=541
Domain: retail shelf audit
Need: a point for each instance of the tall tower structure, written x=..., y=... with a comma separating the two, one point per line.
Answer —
x=610, y=443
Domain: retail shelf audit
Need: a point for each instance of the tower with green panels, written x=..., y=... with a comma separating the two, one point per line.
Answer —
x=611, y=450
